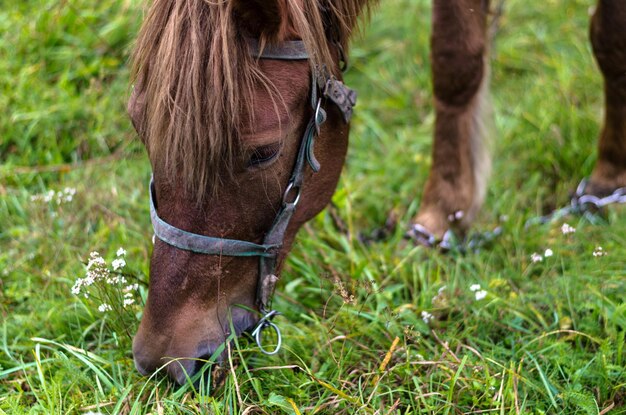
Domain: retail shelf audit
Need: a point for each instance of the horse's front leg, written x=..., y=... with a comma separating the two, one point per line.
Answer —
x=608, y=37
x=456, y=184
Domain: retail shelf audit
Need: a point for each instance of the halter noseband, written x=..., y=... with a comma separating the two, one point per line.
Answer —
x=323, y=86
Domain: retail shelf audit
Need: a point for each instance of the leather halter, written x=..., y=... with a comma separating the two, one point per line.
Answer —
x=323, y=87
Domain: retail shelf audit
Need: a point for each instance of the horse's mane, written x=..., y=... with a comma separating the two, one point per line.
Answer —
x=192, y=63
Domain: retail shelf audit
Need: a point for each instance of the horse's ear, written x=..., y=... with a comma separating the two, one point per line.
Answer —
x=262, y=19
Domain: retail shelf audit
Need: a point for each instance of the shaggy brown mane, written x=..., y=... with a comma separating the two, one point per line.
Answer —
x=192, y=63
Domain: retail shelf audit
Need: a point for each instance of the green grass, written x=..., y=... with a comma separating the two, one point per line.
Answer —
x=548, y=338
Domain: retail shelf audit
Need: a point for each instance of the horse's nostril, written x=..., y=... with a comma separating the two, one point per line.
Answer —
x=203, y=365
x=202, y=360
x=185, y=349
x=144, y=358
x=182, y=370
x=143, y=366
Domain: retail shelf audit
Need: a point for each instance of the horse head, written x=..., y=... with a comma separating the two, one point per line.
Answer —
x=244, y=118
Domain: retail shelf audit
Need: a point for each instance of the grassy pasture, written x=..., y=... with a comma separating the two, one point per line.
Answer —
x=548, y=338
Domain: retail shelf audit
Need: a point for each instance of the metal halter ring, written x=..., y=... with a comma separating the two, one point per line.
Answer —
x=265, y=322
x=291, y=186
x=320, y=115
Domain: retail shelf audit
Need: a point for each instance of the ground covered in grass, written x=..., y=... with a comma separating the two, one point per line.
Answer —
x=377, y=328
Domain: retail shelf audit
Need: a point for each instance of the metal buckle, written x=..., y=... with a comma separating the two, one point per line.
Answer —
x=342, y=96
x=265, y=322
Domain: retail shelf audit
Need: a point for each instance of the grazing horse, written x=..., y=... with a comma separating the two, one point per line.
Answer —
x=244, y=116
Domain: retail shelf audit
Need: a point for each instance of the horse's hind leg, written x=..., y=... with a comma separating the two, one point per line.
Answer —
x=456, y=184
x=608, y=37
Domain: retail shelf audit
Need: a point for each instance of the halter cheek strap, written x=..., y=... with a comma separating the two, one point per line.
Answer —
x=323, y=88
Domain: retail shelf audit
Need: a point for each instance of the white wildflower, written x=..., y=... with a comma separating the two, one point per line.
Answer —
x=95, y=260
x=548, y=253
x=43, y=197
x=77, y=285
x=427, y=317
x=440, y=298
x=480, y=295
x=535, y=257
x=599, y=251
x=89, y=279
x=96, y=269
x=99, y=262
x=567, y=229
x=131, y=287
x=121, y=252
x=48, y=196
x=118, y=263
x=474, y=287
x=116, y=279
x=103, y=308
x=66, y=195
x=128, y=301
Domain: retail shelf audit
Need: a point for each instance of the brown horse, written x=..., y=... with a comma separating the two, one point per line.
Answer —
x=230, y=97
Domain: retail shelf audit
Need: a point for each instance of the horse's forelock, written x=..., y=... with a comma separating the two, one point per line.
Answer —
x=192, y=64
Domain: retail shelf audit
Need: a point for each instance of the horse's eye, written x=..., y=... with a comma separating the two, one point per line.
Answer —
x=263, y=154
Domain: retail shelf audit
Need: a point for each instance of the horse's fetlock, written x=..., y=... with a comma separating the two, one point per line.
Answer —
x=457, y=76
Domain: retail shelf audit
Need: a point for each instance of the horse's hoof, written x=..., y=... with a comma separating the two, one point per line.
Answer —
x=421, y=236
x=598, y=188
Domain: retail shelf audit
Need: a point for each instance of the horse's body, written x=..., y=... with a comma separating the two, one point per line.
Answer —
x=226, y=129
